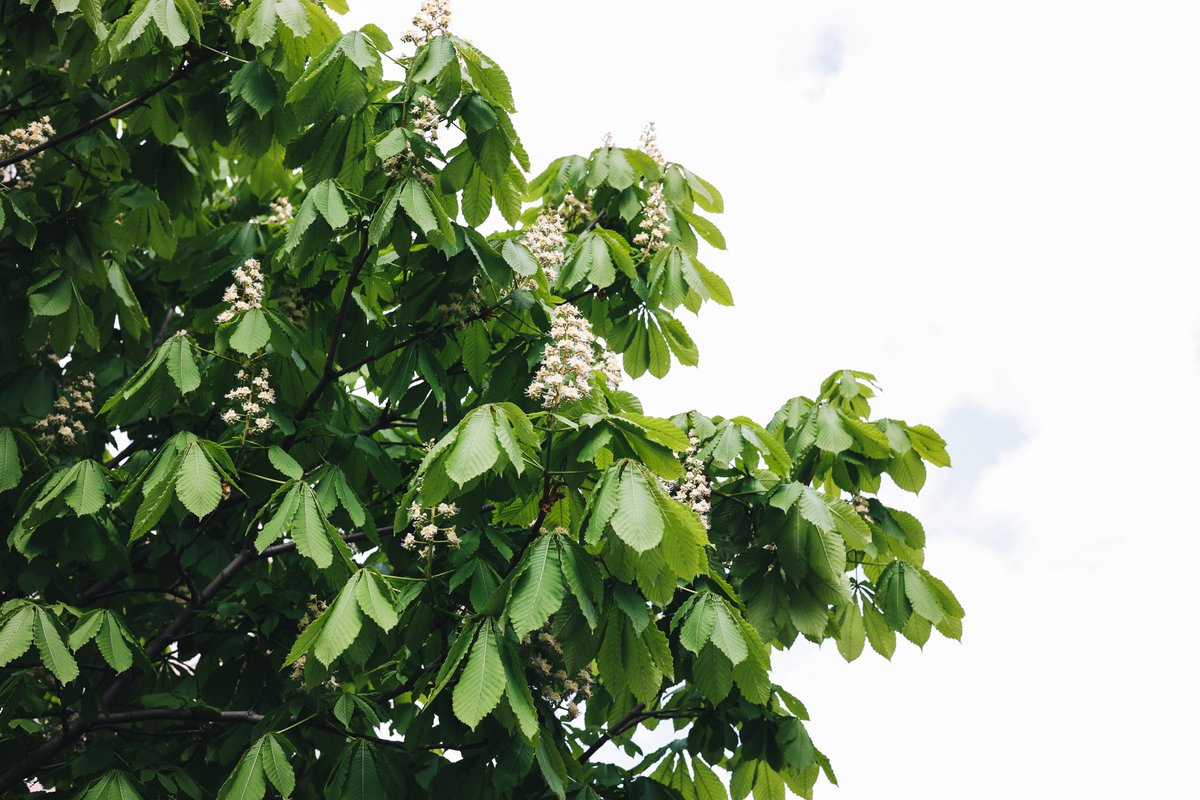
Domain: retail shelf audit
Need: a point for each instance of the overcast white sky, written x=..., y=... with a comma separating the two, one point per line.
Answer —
x=993, y=207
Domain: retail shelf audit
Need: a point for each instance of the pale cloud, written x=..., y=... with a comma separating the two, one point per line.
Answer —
x=992, y=207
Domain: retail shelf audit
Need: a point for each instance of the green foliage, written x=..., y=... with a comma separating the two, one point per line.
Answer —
x=286, y=518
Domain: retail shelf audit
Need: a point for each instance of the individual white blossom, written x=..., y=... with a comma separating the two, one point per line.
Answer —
x=655, y=223
x=246, y=291
x=649, y=144
x=250, y=399
x=569, y=362
x=35, y=134
x=546, y=241
x=432, y=20
x=608, y=140
x=694, y=490
x=281, y=212
x=62, y=425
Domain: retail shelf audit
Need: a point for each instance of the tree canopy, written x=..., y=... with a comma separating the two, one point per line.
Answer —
x=318, y=475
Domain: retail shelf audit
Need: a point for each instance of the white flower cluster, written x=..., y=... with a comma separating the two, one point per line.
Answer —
x=426, y=118
x=862, y=506
x=245, y=293
x=432, y=20
x=654, y=224
x=33, y=135
x=315, y=609
x=461, y=308
x=406, y=163
x=254, y=395
x=281, y=212
x=570, y=360
x=649, y=144
x=62, y=424
x=426, y=524
x=291, y=303
x=544, y=655
x=693, y=491
x=545, y=240
x=575, y=211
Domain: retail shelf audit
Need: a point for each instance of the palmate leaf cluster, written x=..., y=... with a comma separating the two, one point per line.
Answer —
x=403, y=576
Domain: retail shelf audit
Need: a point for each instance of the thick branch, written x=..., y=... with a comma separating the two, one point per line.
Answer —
x=183, y=69
x=76, y=728
x=623, y=724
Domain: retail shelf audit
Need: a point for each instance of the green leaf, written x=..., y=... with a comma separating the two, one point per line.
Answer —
x=881, y=637
x=516, y=689
x=168, y=20
x=10, y=461
x=276, y=765
x=86, y=629
x=698, y=625
x=255, y=84
x=727, y=635
x=929, y=445
x=476, y=448
x=813, y=508
x=923, y=600
x=181, y=364
x=328, y=200
x=851, y=633
x=252, y=332
x=832, y=436
x=583, y=578
x=285, y=463
x=708, y=785
x=258, y=24
x=638, y=521
x=539, y=591
x=246, y=782
x=52, y=649
x=16, y=633
x=197, y=484
x=111, y=641
x=112, y=785
x=295, y=16
x=483, y=680
x=342, y=625
x=89, y=490
x=311, y=529
x=375, y=599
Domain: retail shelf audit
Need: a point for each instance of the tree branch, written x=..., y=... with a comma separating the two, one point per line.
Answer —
x=184, y=68
x=623, y=724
